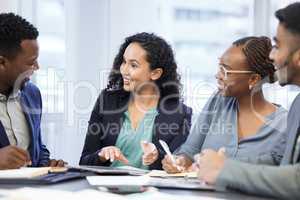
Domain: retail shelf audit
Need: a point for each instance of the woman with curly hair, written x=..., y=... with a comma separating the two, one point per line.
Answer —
x=238, y=117
x=141, y=105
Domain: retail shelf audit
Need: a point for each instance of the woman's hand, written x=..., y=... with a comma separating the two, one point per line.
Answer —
x=112, y=153
x=210, y=164
x=181, y=164
x=150, y=153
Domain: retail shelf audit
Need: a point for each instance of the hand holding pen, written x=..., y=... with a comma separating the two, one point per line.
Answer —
x=172, y=164
x=13, y=157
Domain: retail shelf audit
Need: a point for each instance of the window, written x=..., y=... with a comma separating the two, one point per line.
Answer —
x=200, y=32
x=50, y=21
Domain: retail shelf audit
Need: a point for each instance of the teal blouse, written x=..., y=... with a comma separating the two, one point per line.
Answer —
x=129, y=140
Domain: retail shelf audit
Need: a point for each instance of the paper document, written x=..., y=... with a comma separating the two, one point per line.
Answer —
x=118, y=180
x=163, y=174
x=26, y=172
x=176, y=183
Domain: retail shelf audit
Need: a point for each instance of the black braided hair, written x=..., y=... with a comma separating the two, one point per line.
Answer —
x=257, y=50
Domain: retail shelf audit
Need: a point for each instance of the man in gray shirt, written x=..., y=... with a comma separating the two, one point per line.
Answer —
x=20, y=100
x=283, y=181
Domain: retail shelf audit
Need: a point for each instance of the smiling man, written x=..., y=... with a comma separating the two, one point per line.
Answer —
x=20, y=100
x=284, y=181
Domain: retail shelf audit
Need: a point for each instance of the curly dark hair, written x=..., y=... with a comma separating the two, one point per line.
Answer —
x=257, y=50
x=14, y=29
x=159, y=54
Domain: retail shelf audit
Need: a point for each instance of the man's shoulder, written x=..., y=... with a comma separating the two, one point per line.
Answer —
x=30, y=87
x=296, y=102
x=293, y=114
x=295, y=107
x=30, y=90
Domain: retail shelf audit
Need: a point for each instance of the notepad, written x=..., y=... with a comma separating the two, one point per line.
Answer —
x=26, y=172
x=163, y=174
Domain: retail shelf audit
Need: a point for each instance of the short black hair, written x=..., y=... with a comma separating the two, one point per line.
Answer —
x=13, y=30
x=159, y=54
x=290, y=17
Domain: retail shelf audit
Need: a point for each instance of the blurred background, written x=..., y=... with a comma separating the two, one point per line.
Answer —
x=79, y=39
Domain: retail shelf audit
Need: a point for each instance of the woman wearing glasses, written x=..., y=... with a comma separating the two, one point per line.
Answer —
x=238, y=119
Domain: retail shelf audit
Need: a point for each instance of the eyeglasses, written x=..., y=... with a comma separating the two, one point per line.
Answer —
x=225, y=71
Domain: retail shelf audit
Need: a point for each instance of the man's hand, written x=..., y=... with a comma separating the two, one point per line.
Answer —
x=112, y=153
x=56, y=163
x=13, y=157
x=210, y=164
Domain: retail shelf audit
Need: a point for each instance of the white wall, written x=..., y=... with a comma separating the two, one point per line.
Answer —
x=94, y=33
x=9, y=6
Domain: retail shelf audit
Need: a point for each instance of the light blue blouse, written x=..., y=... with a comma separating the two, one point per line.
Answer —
x=216, y=127
x=129, y=140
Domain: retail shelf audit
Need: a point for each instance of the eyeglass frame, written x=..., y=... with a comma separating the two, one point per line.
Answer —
x=226, y=71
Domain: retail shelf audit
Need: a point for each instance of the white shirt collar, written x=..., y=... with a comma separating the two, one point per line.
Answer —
x=12, y=96
x=2, y=97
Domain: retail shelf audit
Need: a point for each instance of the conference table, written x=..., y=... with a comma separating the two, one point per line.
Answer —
x=81, y=184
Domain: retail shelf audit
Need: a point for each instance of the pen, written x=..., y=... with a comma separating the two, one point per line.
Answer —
x=167, y=150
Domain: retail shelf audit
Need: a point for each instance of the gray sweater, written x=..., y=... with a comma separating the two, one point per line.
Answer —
x=216, y=127
x=276, y=181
